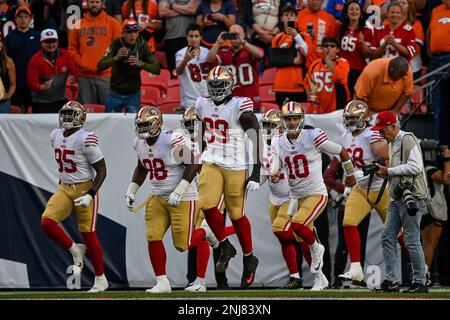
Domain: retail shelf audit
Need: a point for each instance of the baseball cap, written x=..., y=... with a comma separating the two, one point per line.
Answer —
x=20, y=9
x=130, y=25
x=48, y=34
x=384, y=118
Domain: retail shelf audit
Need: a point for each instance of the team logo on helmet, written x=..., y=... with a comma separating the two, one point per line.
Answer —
x=72, y=115
x=190, y=120
x=148, y=122
x=220, y=83
x=289, y=109
x=355, y=115
x=270, y=122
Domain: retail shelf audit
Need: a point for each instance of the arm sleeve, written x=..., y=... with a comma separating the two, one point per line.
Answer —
x=91, y=149
x=246, y=105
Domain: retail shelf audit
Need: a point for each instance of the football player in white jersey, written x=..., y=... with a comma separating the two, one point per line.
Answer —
x=299, y=151
x=82, y=170
x=227, y=120
x=169, y=162
x=192, y=67
x=364, y=146
x=192, y=125
x=279, y=200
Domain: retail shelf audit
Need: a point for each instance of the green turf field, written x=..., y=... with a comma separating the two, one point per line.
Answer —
x=351, y=294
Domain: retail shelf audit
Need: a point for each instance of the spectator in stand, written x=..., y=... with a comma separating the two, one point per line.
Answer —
x=113, y=9
x=315, y=23
x=395, y=38
x=409, y=16
x=385, y=84
x=48, y=71
x=192, y=68
x=178, y=14
x=127, y=56
x=327, y=78
x=355, y=38
x=438, y=48
x=21, y=44
x=261, y=17
x=336, y=7
x=8, y=78
x=242, y=58
x=6, y=16
x=288, y=83
x=87, y=46
x=145, y=12
x=46, y=14
x=215, y=16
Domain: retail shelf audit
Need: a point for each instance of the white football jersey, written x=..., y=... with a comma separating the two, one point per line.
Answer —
x=358, y=147
x=75, y=155
x=164, y=170
x=224, y=136
x=279, y=191
x=193, y=78
x=303, y=161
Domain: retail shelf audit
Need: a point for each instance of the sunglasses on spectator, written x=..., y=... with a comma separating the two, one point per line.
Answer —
x=50, y=41
x=329, y=45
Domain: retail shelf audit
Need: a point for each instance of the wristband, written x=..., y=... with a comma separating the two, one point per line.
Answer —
x=182, y=187
x=348, y=168
x=133, y=187
x=91, y=192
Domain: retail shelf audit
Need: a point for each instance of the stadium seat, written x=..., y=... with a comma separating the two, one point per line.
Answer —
x=174, y=82
x=161, y=57
x=90, y=107
x=151, y=95
x=30, y=109
x=169, y=107
x=267, y=94
x=160, y=81
x=15, y=109
x=268, y=77
x=173, y=95
x=266, y=106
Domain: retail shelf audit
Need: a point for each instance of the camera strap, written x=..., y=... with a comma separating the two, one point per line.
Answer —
x=380, y=193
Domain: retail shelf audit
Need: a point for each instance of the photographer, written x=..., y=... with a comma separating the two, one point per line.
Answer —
x=434, y=157
x=127, y=56
x=408, y=192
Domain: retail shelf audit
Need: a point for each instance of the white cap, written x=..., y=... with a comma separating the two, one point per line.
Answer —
x=49, y=34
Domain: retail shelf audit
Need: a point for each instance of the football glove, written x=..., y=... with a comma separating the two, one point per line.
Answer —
x=130, y=195
x=177, y=194
x=83, y=201
x=252, y=186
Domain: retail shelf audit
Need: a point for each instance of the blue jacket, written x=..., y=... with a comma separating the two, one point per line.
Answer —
x=21, y=46
x=334, y=7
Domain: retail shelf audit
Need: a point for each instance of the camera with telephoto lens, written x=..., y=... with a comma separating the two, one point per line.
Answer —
x=432, y=151
x=403, y=191
x=372, y=168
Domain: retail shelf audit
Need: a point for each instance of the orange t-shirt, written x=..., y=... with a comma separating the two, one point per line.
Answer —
x=152, y=16
x=326, y=80
x=440, y=29
x=377, y=89
x=290, y=78
x=325, y=25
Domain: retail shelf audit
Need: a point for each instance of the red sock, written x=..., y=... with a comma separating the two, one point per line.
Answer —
x=353, y=242
x=215, y=222
x=303, y=232
x=158, y=257
x=405, y=251
x=94, y=251
x=56, y=233
x=288, y=251
x=229, y=230
x=244, y=233
x=198, y=235
x=306, y=252
x=203, y=252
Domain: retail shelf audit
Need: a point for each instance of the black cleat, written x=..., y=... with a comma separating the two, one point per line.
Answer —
x=416, y=288
x=388, y=286
x=227, y=251
x=248, y=275
x=293, y=284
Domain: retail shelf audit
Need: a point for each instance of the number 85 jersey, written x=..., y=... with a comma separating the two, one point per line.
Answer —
x=224, y=135
x=75, y=154
x=303, y=161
